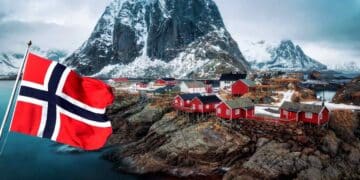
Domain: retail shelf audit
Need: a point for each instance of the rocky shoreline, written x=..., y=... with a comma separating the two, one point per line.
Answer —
x=150, y=138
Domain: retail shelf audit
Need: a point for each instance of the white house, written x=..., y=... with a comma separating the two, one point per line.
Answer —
x=192, y=87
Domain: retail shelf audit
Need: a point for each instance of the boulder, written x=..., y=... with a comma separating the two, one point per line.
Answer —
x=354, y=156
x=310, y=174
x=261, y=141
x=330, y=143
x=204, y=140
x=314, y=162
x=275, y=160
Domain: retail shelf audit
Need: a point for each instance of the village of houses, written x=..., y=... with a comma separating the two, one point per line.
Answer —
x=234, y=96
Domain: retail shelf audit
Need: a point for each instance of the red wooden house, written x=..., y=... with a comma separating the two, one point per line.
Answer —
x=308, y=113
x=314, y=114
x=289, y=111
x=183, y=101
x=242, y=86
x=235, y=109
x=165, y=82
x=205, y=104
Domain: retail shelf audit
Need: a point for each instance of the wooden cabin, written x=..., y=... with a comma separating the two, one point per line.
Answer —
x=308, y=113
x=192, y=87
x=314, y=114
x=242, y=86
x=289, y=111
x=165, y=82
x=205, y=104
x=236, y=109
x=226, y=80
x=182, y=101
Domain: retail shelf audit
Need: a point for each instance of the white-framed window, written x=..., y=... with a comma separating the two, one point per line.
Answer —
x=219, y=111
x=194, y=107
x=188, y=101
x=200, y=106
x=176, y=101
x=308, y=115
x=320, y=116
x=207, y=106
x=237, y=111
x=228, y=112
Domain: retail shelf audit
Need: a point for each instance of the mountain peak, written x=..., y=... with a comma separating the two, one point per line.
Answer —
x=150, y=38
x=285, y=56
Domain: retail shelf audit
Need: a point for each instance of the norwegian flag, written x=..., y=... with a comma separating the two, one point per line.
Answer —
x=56, y=103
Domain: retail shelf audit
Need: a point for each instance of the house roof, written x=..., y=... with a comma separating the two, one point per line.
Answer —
x=297, y=107
x=290, y=106
x=232, y=77
x=209, y=99
x=240, y=103
x=189, y=96
x=168, y=79
x=248, y=82
x=311, y=108
x=194, y=84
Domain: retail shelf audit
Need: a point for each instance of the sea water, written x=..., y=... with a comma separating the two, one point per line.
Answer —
x=329, y=95
x=26, y=157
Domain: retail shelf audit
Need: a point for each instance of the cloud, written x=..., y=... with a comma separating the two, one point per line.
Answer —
x=328, y=30
x=63, y=24
x=15, y=34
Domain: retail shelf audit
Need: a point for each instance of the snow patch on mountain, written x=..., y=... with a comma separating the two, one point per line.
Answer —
x=256, y=52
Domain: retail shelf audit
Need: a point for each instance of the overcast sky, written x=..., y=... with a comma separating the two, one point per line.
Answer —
x=327, y=30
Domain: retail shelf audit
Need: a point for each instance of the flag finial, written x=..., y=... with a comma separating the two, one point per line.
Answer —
x=29, y=43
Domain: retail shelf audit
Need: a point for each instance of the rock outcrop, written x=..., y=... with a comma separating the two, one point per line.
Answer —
x=160, y=140
x=350, y=94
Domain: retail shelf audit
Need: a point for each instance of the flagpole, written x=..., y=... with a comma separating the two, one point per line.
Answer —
x=15, y=87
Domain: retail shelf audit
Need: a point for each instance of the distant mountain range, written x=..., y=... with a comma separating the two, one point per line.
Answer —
x=284, y=56
x=347, y=67
x=142, y=38
x=10, y=61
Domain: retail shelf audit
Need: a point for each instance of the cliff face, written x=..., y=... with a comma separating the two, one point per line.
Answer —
x=153, y=138
x=148, y=38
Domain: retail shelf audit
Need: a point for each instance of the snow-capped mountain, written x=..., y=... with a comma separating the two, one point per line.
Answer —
x=10, y=61
x=285, y=56
x=151, y=38
x=349, y=67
